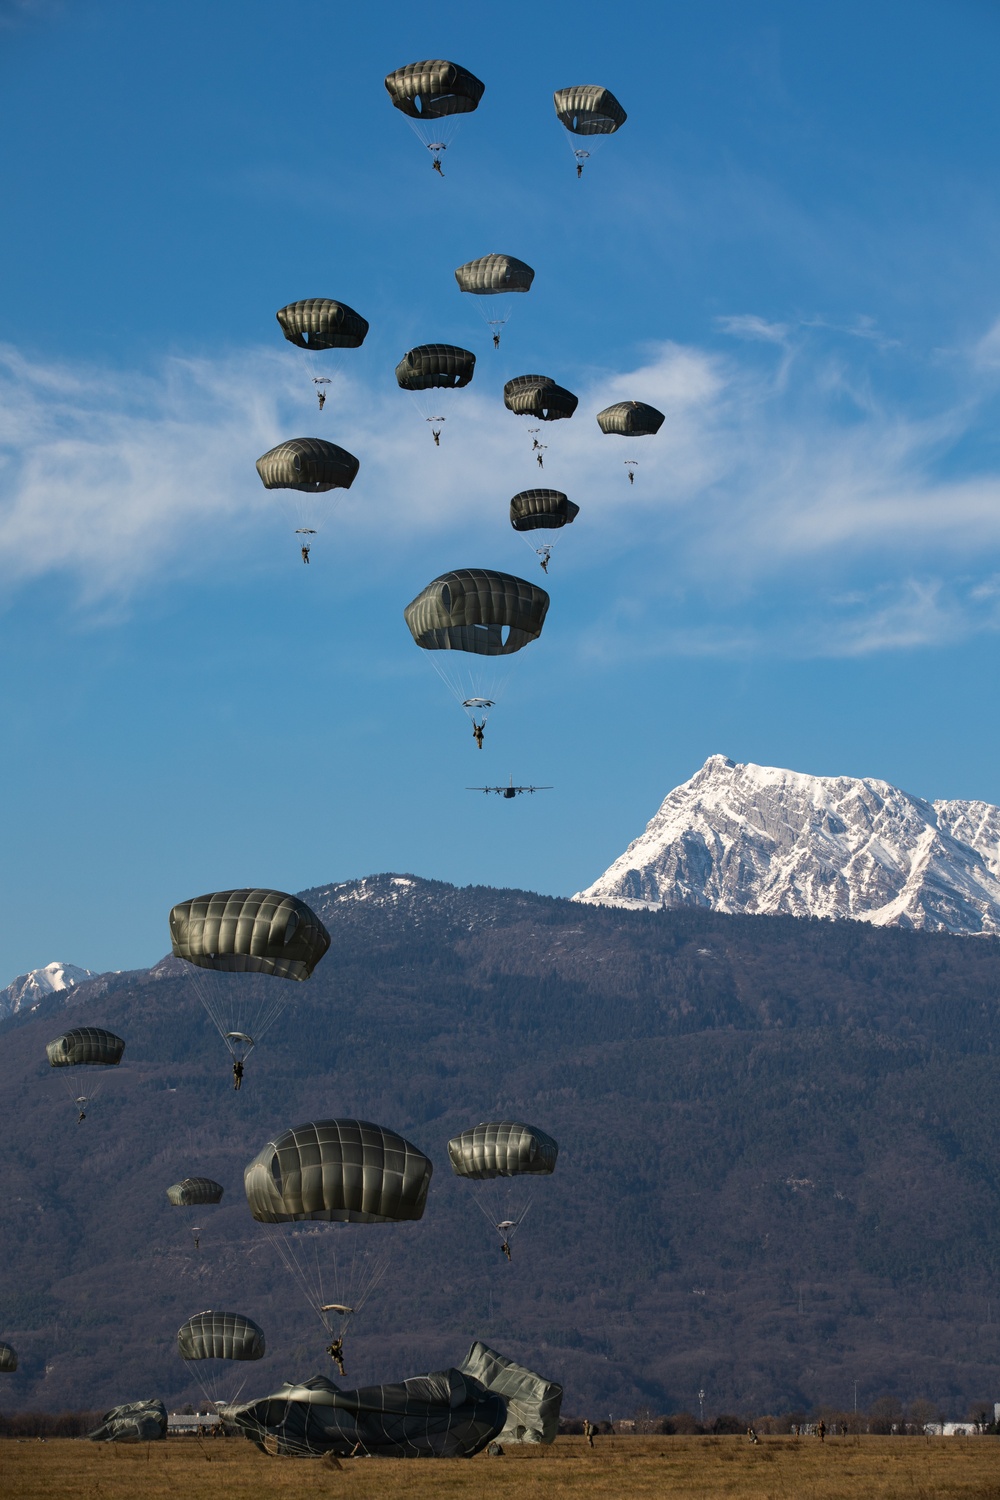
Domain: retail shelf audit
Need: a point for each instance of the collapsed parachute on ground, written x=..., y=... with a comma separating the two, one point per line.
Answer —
x=310, y=464
x=546, y=510
x=533, y=1403
x=452, y=1413
x=322, y=323
x=434, y=89
x=195, y=1191
x=135, y=1422
x=87, y=1045
x=539, y=396
x=434, y=95
x=341, y=1170
x=502, y=1148
x=435, y=367
x=250, y=940
x=220, y=1335
x=630, y=419
x=588, y=109
x=8, y=1359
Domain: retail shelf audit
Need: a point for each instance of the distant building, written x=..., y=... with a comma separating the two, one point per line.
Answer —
x=186, y=1424
x=951, y=1429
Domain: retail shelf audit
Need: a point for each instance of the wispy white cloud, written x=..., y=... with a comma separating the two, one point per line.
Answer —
x=750, y=326
x=764, y=485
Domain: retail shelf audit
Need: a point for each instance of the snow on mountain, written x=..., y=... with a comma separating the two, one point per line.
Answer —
x=27, y=990
x=756, y=839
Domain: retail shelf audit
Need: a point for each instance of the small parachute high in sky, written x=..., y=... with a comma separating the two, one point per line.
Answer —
x=211, y=1342
x=472, y=621
x=251, y=942
x=541, y=510
x=85, y=1046
x=501, y=1157
x=307, y=467
x=320, y=323
x=587, y=109
x=499, y=277
x=341, y=1174
x=8, y=1359
x=431, y=371
x=194, y=1192
x=434, y=95
x=630, y=419
x=538, y=396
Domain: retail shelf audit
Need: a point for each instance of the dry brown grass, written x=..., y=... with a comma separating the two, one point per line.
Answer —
x=682, y=1468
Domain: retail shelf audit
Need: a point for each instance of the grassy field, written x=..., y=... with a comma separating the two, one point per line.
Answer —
x=683, y=1468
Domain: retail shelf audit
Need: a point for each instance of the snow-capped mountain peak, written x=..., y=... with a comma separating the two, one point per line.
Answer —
x=759, y=839
x=28, y=990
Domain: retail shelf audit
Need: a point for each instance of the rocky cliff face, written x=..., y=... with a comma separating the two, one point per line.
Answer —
x=28, y=990
x=756, y=839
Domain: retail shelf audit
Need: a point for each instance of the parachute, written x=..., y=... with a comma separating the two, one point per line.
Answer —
x=195, y=1191
x=533, y=1403
x=586, y=109
x=630, y=419
x=434, y=95
x=251, y=940
x=85, y=1046
x=538, y=396
x=475, y=616
x=497, y=276
x=321, y=323
x=430, y=370
x=541, y=510
x=307, y=467
x=224, y=1337
x=337, y=1173
x=493, y=1152
x=8, y=1359
x=135, y=1422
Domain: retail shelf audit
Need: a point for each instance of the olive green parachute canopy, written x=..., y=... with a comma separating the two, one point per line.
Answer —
x=220, y=1335
x=321, y=323
x=435, y=367
x=307, y=464
x=135, y=1422
x=630, y=419
x=538, y=396
x=533, y=1403
x=587, y=109
x=346, y=1171
x=430, y=90
x=8, y=1359
x=87, y=1044
x=477, y=610
x=494, y=274
x=249, y=931
x=194, y=1191
x=502, y=1148
x=542, y=510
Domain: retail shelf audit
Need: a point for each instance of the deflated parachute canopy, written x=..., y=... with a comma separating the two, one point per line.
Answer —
x=630, y=419
x=493, y=275
x=588, y=109
x=435, y=367
x=547, y=510
x=433, y=89
x=349, y=1171
x=85, y=1044
x=8, y=1359
x=194, y=1191
x=252, y=930
x=477, y=610
x=502, y=1148
x=533, y=1403
x=220, y=1335
x=321, y=323
x=538, y=396
x=307, y=464
x=136, y=1422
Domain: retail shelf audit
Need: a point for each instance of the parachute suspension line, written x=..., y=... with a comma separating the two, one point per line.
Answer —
x=219, y=1387
x=503, y=1207
x=435, y=135
x=242, y=1007
x=338, y=1282
x=475, y=688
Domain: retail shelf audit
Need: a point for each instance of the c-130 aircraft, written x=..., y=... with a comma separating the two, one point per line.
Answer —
x=510, y=790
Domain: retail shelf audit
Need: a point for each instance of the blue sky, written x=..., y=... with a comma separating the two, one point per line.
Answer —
x=791, y=249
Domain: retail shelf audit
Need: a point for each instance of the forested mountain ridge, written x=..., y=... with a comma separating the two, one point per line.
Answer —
x=779, y=1166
